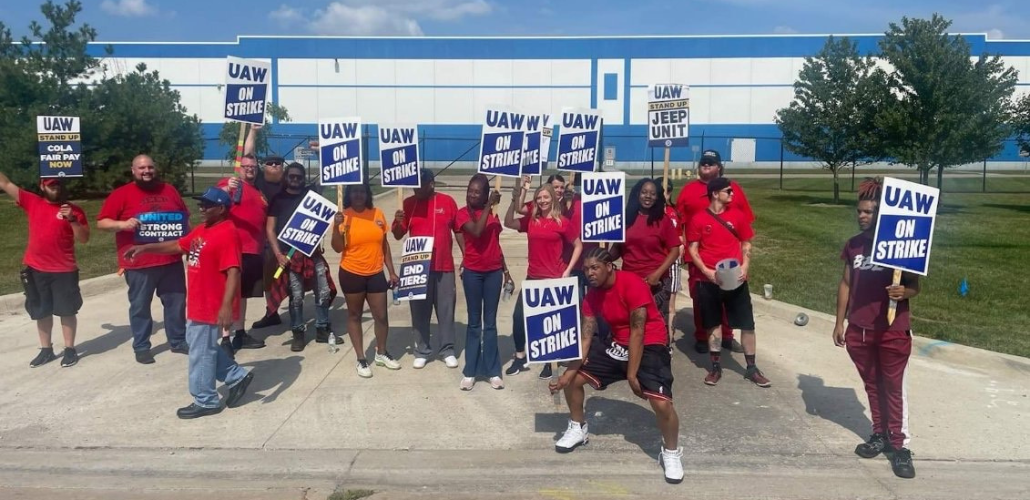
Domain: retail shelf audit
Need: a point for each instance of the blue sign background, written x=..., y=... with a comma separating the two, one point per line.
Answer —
x=45, y=168
x=535, y=333
x=885, y=231
x=295, y=223
x=533, y=145
x=232, y=96
x=490, y=147
x=148, y=221
x=565, y=146
x=326, y=161
x=411, y=155
x=615, y=206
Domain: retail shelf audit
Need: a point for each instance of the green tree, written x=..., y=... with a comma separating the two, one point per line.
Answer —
x=947, y=109
x=1021, y=123
x=230, y=132
x=831, y=117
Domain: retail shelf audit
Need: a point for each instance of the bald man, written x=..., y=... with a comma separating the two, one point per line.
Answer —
x=161, y=208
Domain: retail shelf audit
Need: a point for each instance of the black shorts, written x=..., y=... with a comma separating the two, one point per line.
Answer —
x=270, y=266
x=51, y=294
x=655, y=373
x=356, y=283
x=737, y=303
x=252, y=275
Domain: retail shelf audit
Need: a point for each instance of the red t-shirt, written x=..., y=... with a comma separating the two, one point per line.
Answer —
x=646, y=247
x=546, y=237
x=616, y=303
x=210, y=252
x=418, y=223
x=51, y=247
x=694, y=198
x=482, y=254
x=575, y=215
x=868, y=301
x=715, y=241
x=249, y=217
x=129, y=201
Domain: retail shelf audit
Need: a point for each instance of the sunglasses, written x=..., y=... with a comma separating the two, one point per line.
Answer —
x=206, y=206
x=728, y=191
x=273, y=164
x=295, y=177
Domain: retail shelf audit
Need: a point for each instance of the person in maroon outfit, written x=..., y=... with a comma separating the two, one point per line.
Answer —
x=879, y=350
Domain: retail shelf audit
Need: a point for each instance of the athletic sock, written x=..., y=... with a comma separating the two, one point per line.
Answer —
x=750, y=359
x=714, y=355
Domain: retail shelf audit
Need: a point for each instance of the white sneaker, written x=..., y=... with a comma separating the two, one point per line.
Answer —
x=419, y=363
x=364, y=371
x=496, y=383
x=387, y=361
x=672, y=464
x=451, y=362
x=574, y=436
x=467, y=383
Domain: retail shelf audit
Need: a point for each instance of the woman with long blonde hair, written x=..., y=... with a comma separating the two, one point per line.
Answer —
x=547, y=230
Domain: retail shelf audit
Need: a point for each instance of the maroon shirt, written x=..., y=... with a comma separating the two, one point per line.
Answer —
x=868, y=301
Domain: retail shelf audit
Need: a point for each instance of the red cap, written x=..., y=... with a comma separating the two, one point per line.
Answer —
x=50, y=181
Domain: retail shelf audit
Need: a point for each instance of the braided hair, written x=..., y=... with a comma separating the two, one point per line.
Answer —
x=869, y=189
x=600, y=253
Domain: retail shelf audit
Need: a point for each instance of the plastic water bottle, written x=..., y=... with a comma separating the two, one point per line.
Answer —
x=509, y=289
x=396, y=297
x=332, y=343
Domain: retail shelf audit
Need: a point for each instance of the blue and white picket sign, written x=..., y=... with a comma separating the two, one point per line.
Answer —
x=415, y=261
x=60, y=146
x=534, y=153
x=545, y=141
x=339, y=146
x=668, y=115
x=246, y=89
x=552, y=320
x=578, y=138
x=904, y=226
x=308, y=224
x=156, y=227
x=604, y=207
x=398, y=156
x=501, y=145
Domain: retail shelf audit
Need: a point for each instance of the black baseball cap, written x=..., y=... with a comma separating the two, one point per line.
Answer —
x=427, y=176
x=717, y=184
x=710, y=157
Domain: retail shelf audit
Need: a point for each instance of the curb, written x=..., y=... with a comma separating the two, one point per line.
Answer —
x=14, y=303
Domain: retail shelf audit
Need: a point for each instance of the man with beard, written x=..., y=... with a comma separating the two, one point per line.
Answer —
x=148, y=274
x=300, y=272
x=51, y=276
x=692, y=201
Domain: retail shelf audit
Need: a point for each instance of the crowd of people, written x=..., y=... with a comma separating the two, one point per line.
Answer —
x=628, y=289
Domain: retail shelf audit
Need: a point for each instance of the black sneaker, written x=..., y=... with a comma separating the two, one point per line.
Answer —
x=269, y=320
x=236, y=392
x=732, y=345
x=194, y=411
x=322, y=335
x=546, y=372
x=144, y=357
x=876, y=445
x=70, y=357
x=243, y=341
x=226, y=346
x=297, y=344
x=701, y=346
x=46, y=355
x=517, y=365
x=181, y=349
x=901, y=462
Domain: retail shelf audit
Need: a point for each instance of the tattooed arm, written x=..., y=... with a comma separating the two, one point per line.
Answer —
x=637, y=320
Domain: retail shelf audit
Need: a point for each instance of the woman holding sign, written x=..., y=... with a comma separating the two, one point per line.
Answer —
x=547, y=231
x=360, y=236
x=481, y=277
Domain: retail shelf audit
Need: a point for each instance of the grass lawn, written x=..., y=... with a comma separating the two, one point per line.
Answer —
x=980, y=237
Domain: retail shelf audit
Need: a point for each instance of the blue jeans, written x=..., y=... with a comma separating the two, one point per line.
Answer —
x=482, y=294
x=169, y=281
x=209, y=363
x=321, y=297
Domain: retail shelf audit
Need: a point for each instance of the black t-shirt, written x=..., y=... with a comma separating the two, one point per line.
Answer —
x=282, y=207
x=268, y=189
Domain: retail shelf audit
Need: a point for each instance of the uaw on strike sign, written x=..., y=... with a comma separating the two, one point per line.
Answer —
x=398, y=155
x=604, y=207
x=308, y=223
x=501, y=145
x=552, y=320
x=246, y=89
x=904, y=227
x=534, y=153
x=339, y=145
x=60, y=146
x=668, y=115
x=577, y=139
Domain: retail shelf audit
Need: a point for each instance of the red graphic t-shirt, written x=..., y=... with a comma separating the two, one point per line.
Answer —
x=647, y=246
x=482, y=254
x=417, y=222
x=51, y=247
x=715, y=241
x=616, y=303
x=546, y=238
x=249, y=217
x=868, y=301
x=210, y=252
x=693, y=199
x=129, y=201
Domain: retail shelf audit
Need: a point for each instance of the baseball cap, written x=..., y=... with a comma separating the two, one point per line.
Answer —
x=50, y=181
x=214, y=196
x=427, y=176
x=274, y=159
x=717, y=184
x=710, y=157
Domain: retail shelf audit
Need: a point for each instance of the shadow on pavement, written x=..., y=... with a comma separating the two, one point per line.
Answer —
x=837, y=404
x=610, y=417
x=276, y=375
x=116, y=336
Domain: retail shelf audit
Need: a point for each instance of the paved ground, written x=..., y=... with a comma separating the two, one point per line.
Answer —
x=106, y=429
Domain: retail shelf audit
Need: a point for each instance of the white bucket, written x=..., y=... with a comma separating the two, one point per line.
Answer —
x=727, y=274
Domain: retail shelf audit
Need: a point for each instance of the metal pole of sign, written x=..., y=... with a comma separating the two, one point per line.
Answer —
x=652, y=163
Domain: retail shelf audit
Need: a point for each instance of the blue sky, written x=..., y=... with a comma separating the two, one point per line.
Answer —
x=223, y=20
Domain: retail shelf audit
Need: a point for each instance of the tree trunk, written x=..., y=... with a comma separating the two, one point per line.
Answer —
x=836, y=185
x=940, y=177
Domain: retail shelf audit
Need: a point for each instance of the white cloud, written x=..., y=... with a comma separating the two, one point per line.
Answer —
x=128, y=8
x=995, y=34
x=784, y=30
x=379, y=17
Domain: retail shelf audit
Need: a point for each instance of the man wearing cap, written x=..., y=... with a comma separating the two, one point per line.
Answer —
x=213, y=257
x=429, y=213
x=161, y=274
x=269, y=182
x=51, y=276
x=714, y=236
x=692, y=200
